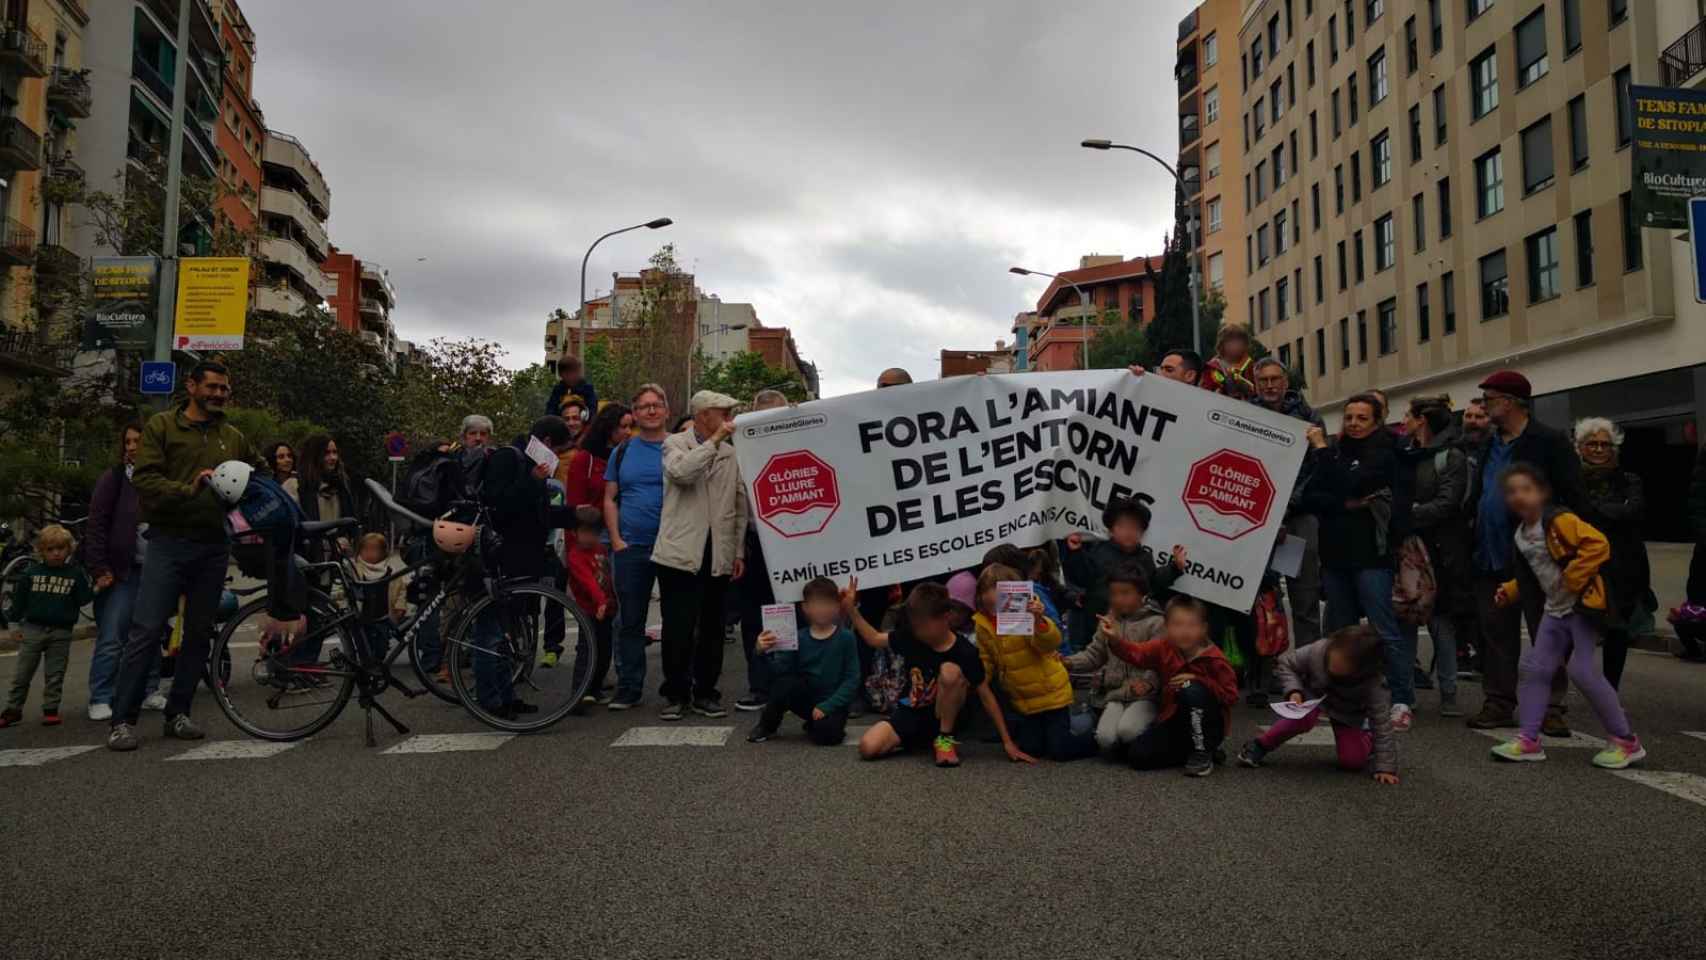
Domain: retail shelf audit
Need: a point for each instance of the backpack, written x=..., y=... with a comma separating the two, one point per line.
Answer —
x=1273, y=635
x=436, y=480
x=1415, y=588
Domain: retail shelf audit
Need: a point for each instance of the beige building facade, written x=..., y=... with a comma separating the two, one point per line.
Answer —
x=1211, y=155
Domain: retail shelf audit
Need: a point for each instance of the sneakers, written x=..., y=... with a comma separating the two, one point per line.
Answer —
x=50, y=718
x=671, y=711
x=549, y=660
x=1519, y=750
x=1554, y=725
x=759, y=734
x=710, y=707
x=11, y=717
x=750, y=704
x=1199, y=764
x=181, y=727
x=155, y=701
x=1401, y=717
x=1491, y=718
x=604, y=697
x=100, y=712
x=1252, y=754
x=1620, y=754
x=1448, y=707
x=947, y=751
x=623, y=703
x=122, y=738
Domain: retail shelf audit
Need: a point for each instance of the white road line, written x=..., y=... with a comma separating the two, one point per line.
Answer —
x=41, y=755
x=1576, y=739
x=450, y=742
x=235, y=750
x=1687, y=786
x=674, y=736
x=1696, y=734
x=1321, y=736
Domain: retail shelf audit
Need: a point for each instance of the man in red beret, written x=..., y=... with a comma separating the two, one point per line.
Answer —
x=1514, y=437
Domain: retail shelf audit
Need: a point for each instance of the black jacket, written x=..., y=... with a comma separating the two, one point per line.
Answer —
x=1615, y=507
x=519, y=505
x=1351, y=469
x=1549, y=450
x=1437, y=515
x=1293, y=405
x=1088, y=567
x=584, y=390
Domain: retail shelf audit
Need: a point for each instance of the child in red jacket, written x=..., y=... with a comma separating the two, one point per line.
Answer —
x=1197, y=688
x=589, y=585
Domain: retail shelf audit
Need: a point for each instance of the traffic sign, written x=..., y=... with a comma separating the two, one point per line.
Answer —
x=1697, y=223
x=159, y=377
x=396, y=447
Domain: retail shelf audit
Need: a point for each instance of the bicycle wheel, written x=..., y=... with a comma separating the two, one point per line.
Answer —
x=283, y=696
x=495, y=657
x=429, y=650
x=10, y=578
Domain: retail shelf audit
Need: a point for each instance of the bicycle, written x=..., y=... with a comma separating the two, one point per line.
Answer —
x=289, y=679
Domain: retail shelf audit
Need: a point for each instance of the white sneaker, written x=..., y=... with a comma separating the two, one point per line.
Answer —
x=1401, y=717
x=156, y=700
x=100, y=712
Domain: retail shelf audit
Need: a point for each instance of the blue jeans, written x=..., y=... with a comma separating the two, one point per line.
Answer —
x=1444, y=637
x=1354, y=594
x=492, y=686
x=113, y=608
x=633, y=574
x=175, y=568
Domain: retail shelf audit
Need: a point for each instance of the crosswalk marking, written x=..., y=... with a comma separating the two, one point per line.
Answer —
x=450, y=742
x=1576, y=739
x=235, y=750
x=1696, y=734
x=40, y=755
x=1687, y=786
x=674, y=736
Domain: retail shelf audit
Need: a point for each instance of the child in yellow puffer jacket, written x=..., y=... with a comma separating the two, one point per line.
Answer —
x=1030, y=674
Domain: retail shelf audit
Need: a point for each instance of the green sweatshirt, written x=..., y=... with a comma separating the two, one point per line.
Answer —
x=831, y=664
x=50, y=596
x=174, y=449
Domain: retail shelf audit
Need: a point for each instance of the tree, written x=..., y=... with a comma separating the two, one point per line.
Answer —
x=744, y=374
x=451, y=379
x=655, y=342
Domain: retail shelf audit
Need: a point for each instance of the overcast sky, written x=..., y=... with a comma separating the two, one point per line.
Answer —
x=863, y=173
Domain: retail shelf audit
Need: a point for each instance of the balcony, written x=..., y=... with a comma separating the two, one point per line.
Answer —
x=152, y=79
x=22, y=51
x=64, y=169
x=1188, y=25
x=69, y=93
x=1190, y=129
x=281, y=299
x=290, y=255
x=29, y=352
x=17, y=244
x=284, y=203
x=20, y=147
x=1683, y=60
x=53, y=260
x=286, y=152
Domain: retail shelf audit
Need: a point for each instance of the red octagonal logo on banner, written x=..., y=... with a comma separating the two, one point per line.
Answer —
x=1229, y=494
x=796, y=494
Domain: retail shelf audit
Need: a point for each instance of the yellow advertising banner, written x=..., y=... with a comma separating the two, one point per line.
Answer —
x=213, y=303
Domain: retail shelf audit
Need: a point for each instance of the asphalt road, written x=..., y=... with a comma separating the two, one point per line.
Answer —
x=564, y=845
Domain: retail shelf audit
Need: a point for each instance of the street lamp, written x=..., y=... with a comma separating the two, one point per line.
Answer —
x=699, y=338
x=580, y=346
x=1179, y=197
x=1083, y=301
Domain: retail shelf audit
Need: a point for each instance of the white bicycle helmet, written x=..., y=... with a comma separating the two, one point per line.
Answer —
x=230, y=479
x=452, y=536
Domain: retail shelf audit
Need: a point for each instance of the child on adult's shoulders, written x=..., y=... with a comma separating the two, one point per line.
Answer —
x=1088, y=562
x=942, y=671
x=1030, y=673
x=1348, y=669
x=1198, y=688
x=815, y=680
x=1126, y=695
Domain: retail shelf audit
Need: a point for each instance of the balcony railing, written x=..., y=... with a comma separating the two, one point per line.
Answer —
x=65, y=167
x=69, y=92
x=23, y=51
x=17, y=244
x=1188, y=25
x=20, y=147
x=1686, y=57
x=30, y=351
x=151, y=78
x=1189, y=129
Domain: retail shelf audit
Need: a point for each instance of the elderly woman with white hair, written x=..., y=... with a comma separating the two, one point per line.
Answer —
x=1614, y=505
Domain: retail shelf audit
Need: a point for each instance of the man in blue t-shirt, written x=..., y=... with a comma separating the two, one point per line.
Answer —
x=633, y=506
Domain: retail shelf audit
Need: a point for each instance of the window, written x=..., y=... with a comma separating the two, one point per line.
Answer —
x=1344, y=343
x=1448, y=300
x=1332, y=40
x=1537, y=156
x=1350, y=24
x=1484, y=84
x=1285, y=355
x=1584, y=248
x=1376, y=9
x=1211, y=158
x=1262, y=310
x=1314, y=137
x=1256, y=59
x=1631, y=235
x=1261, y=244
x=1244, y=69
x=1356, y=241
x=1320, y=282
x=1282, y=299
x=1290, y=85
x=1261, y=180
x=1216, y=271
x=1423, y=320
x=1276, y=103
x=1385, y=244
x=1444, y=207
x=1246, y=133
x=1246, y=193
x=1280, y=235
x=1321, y=351
x=1436, y=26
x=1273, y=36
x=1418, y=222
x=1298, y=350
x=1362, y=336
x=1335, y=99
x=1309, y=62
x=1380, y=159
x=1489, y=183
x=1210, y=50
x=1279, y=166
x=1620, y=93
x=1249, y=255
x=1343, y=278
x=1296, y=224
x=1214, y=219
x=1291, y=140
x=1439, y=116
x=1495, y=286
x=1572, y=26
x=1578, y=133
x=1315, y=205
x=1543, y=279
x=1339, y=188
x=1415, y=132
x=1356, y=177
x=1387, y=313
x=1478, y=7
x=1619, y=11
x=1377, y=88
x=1531, y=62
x=1261, y=118
x=1297, y=289
x=1411, y=54
x=1351, y=98
x=1211, y=105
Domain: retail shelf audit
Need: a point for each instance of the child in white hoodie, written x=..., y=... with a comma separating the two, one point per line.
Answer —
x=1127, y=694
x=380, y=608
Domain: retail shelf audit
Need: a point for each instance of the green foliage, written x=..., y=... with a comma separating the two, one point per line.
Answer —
x=657, y=333
x=744, y=374
x=599, y=368
x=454, y=378
x=261, y=427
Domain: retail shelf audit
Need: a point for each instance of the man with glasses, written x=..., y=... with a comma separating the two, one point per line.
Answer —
x=1303, y=592
x=633, y=510
x=1513, y=437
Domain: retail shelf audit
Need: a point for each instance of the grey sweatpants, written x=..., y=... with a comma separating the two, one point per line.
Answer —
x=52, y=644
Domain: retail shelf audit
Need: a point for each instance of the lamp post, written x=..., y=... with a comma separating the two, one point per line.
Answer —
x=1179, y=198
x=580, y=344
x=699, y=338
x=1083, y=302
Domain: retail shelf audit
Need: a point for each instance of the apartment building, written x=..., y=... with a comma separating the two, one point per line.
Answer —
x=965, y=363
x=1025, y=325
x=1211, y=154
x=1440, y=188
x=242, y=128
x=1104, y=288
x=294, y=204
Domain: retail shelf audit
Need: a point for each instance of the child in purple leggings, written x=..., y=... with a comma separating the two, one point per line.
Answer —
x=1558, y=555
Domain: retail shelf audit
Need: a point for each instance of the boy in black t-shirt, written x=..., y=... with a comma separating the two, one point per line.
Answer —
x=941, y=668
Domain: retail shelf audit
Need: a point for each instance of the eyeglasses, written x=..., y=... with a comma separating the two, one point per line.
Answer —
x=654, y=405
x=1598, y=444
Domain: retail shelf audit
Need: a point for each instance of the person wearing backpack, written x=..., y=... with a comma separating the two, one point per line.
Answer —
x=1438, y=519
x=633, y=509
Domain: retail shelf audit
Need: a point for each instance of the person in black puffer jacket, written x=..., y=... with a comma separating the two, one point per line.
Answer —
x=1613, y=504
x=1440, y=474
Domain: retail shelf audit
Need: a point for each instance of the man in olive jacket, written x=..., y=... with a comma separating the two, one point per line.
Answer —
x=187, y=549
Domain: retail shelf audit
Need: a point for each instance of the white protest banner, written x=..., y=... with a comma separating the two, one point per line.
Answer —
x=918, y=480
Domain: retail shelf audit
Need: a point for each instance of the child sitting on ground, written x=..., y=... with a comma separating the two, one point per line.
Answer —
x=1125, y=694
x=380, y=608
x=1559, y=556
x=1030, y=674
x=941, y=669
x=1197, y=689
x=45, y=604
x=817, y=680
x=1087, y=563
x=1349, y=669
